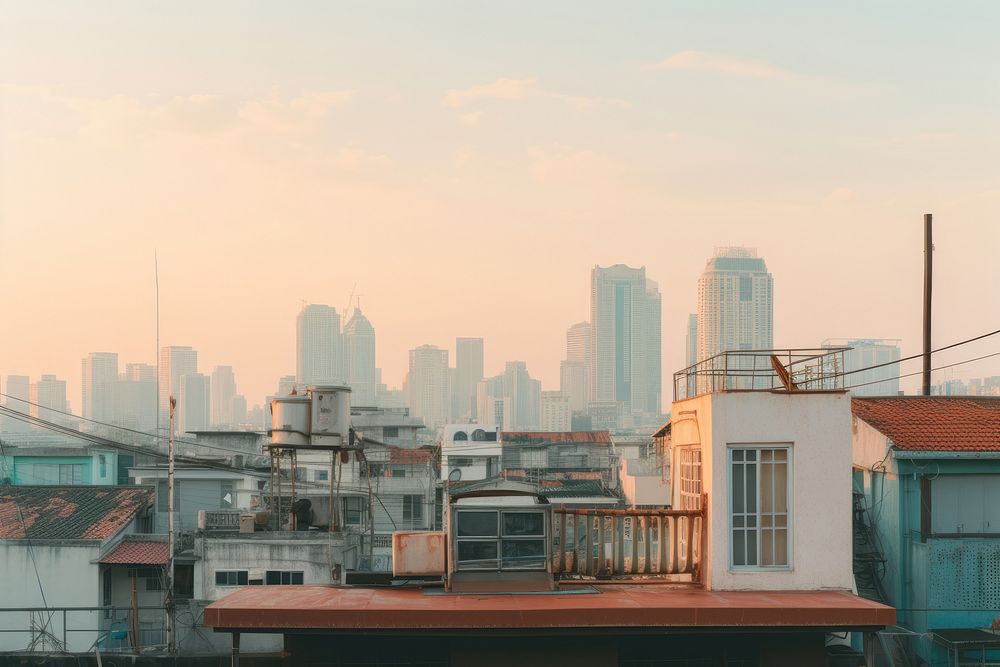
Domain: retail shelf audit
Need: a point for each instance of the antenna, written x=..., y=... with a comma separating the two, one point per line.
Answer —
x=350, y=299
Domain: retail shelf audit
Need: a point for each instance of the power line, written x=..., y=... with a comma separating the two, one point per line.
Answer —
x=939, y=368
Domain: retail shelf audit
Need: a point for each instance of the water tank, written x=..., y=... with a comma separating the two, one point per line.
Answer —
x=290, y=420
x=331, y=415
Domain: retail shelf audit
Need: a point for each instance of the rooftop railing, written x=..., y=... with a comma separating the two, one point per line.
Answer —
x=791, y=370
x=626, y=544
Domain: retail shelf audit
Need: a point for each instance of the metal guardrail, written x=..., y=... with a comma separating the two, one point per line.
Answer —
x=607, y=543
x=808, y=369
x=53, y=628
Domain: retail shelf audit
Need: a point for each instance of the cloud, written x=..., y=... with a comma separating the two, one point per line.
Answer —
x=715, y=62
x=521, y=89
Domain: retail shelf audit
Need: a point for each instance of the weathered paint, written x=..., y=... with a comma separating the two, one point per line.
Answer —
x=418, y=553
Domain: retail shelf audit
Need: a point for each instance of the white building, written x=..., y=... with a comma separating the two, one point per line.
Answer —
x=468, y=373
x=427, y=385
x=319, y=346
x=175, y=362
x=573, y=384
x=576, y=367
x=470, y=452
x=626, y=343
x=735, y=305
x=99, y=374
x=359, y=356
x=194, y=406
x=223, y=393
x=556, y=413
x=865, y=353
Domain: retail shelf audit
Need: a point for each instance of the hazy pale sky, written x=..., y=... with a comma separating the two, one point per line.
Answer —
x=466, y=164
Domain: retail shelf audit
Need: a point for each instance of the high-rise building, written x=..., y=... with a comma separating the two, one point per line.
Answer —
x=49, y=398
x=579, y=340
x=468, y=373
x=175, y=362
x=18, y=392
x=691, y=341
x=573, y=384
x=427, y=385
x=100, y=373
x=511, y=400
x=194, y=407
x=223, y=392
x=735, y=304
x=319, y=346
x=626, y=341
x=556, y=415
x=239, y=410
x=359, y=355
x=140, y=372
x=286, y=385
x=865, y=353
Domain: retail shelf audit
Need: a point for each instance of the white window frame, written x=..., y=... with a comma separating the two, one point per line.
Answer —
x=758, y=447
x=690, y=483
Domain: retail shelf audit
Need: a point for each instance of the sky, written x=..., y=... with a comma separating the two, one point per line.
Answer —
x=460, y=167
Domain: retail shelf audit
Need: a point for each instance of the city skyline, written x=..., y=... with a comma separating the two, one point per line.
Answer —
x=648, y=151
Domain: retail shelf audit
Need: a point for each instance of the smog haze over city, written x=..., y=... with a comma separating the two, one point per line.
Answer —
x=458, y=169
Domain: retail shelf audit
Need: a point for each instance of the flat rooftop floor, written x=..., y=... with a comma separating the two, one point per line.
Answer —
x=656, y=606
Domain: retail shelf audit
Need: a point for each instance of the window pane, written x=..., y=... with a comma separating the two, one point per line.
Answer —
x=477, y=524
x=523, y=523
x=781, y=547
x=297, y=578
x=221, y=578
x=477, y=554
x=766, y=479
x=241, y=577
x=781, y=487
x=737, y=454
x=272, y=578
x=766, y=547
x=751, y=488
x=739, y=547
x=524, y=553
x=751, y=548
x=739, y=490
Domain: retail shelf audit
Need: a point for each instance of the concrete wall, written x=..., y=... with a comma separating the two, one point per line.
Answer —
x=69, y=578
x=817, y=429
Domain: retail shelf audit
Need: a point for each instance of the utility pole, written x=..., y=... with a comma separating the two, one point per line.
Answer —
x=171, y=639
x=928, y=284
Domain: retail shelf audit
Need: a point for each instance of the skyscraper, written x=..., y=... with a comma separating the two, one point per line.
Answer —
x=511, y=400
x=691, y=340
x=735, y=307
x=555, y=411
x=865, y=353
x=427, y=385
x=100, y=373
x=194, y=407
x=468, y=373
x=49, y=398
x=319, y=346
x=18, y=392
x=574, y=372
x=625, y=352
x=359, y=355
x=223, y=392
x=175, y=362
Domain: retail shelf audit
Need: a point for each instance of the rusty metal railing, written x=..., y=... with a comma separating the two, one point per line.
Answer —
x=820, y=369
x=622, y=544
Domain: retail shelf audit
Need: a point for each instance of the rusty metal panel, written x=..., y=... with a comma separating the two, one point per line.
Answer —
x=418, y=553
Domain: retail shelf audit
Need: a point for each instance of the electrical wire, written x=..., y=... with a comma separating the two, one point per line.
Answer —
x=939, y=368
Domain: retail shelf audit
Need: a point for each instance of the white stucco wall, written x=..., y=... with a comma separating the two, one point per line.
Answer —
x=817, y=427
x=69, y=579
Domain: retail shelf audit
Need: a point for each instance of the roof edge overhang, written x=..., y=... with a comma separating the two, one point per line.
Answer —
x=559, y=631
x=945, y=454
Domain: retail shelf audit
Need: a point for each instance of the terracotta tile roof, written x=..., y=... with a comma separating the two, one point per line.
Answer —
x=555, y=437
x=934, y=423
x=69, y=512
x=137, y=552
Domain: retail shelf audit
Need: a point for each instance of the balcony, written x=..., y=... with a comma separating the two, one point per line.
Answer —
x=785, y=370
x=628, y=544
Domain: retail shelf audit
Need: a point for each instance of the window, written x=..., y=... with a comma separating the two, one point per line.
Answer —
x=355, y=509
x=184, y=580
x=759, y=515
x=460, y=436
x=390, y=431
x=495, y=540
x=376, y=470
x=461, y=461
x=102, y=464
x=71, y=473
x=231, y=577
x=397, y=472
x=106, y=592
x=690, y=478
x=322, y=475
x=413, y=508
x=283, y=578
x=964, y=504
x=228, y=497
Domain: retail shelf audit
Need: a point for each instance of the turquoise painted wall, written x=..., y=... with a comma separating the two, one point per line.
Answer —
x=92, y=470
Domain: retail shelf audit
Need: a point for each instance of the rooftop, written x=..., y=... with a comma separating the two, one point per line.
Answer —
x=69, y=512
x=636, y=606
x=138, y=550
x=934, y=423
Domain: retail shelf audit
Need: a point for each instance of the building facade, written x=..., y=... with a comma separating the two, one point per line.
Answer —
x=319, y=346
x=427, y=385
x=175, y=362
x=359, y=356
x=735, y=303
x=468, y=373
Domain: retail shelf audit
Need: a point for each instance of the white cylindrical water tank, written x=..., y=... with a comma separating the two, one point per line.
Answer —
x=331, y=414
x=291, y=420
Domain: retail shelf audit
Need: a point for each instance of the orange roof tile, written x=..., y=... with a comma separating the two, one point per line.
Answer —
x=934, y=423
x=555, y=437
x=69, y=512
x=137, y=552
